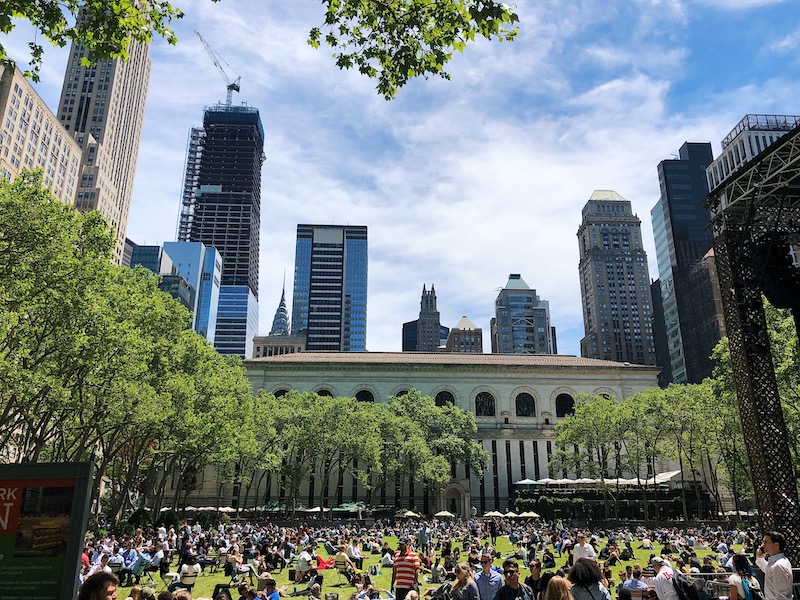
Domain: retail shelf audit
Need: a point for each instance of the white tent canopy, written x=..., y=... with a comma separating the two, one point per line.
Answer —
x=657, y=480
x=444, y=513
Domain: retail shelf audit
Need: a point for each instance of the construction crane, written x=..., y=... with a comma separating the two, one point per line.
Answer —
x=233, y=86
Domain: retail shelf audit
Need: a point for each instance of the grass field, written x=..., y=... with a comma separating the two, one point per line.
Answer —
x=205, y=584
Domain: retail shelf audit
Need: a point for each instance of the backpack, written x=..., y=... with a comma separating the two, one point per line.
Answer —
x=750, y=592
x=684, y=586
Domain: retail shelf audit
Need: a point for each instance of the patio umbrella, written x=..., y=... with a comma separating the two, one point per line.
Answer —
x=226, y=509
x=444, y=513
x=493, y=513
x=511, y=514
x=530, y=514
x=410, y=513
x=190, y=508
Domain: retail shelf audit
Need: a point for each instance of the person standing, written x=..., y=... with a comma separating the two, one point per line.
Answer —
x=583, y=549
x=489, y=581
x=512, y=588
x=777, y=568
x=465, y=587
x=404, y=570
x=534, y=580
x=662, y=583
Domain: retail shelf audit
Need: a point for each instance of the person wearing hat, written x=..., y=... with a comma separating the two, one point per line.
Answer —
x=405, y=570
x=662, y=583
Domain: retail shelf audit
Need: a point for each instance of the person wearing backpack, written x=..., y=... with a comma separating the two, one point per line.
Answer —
x=663, y=581
x=743, y=585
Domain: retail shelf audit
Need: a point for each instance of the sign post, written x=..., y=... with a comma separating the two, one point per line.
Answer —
x=43, y=513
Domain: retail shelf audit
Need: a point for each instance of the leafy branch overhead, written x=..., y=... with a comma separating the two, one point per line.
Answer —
x=395, y=40
x=391, y=41
x=104, y=27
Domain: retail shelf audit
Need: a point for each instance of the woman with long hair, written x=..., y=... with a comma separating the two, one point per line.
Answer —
x=464, y=587
x=586, y=579
x=742, y=572
x=558, y=588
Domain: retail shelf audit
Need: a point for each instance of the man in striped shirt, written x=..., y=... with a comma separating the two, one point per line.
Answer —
x=404, y=570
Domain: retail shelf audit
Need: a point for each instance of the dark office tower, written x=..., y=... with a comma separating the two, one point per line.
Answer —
x=425, y=334
x=329, y=307
x=521, y=324
x=682, y=231
x=222, y=209
x=615, y=283
x=103, y=106
x=660, y=335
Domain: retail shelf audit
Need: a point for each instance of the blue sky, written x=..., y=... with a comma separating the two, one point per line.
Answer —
x=462, y=182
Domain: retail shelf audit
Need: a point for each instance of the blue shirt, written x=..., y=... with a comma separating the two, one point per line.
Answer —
x=488, y=585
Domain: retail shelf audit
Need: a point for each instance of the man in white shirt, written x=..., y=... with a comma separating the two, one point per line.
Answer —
x=354, y=553
x=663, y=584
x=583, y=549
x=777, y=568
x=304, y=563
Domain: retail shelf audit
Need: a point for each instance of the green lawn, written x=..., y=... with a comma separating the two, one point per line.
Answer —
x=205, y=584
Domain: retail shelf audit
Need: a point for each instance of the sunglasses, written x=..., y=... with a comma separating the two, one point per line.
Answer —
x=510, y=572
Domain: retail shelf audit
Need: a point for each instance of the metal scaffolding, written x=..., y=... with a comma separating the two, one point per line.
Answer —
x=756, y=219
x=194, y=153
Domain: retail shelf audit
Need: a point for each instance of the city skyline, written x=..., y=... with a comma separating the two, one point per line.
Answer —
x=462, y=182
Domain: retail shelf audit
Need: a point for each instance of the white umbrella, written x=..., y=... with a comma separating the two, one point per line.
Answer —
x=410, y=513
x=529, y=513
x=166, y=508
x=226, y=509
x=525, y=482
x=511, y=513
x=207, y=509
x=316, y=509
x=493, y=513
x=191, y=508
x=444, y=513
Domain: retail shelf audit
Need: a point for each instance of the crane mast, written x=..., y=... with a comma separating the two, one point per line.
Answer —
x=232, y=85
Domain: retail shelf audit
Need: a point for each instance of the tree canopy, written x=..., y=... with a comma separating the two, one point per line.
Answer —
x=391, y=41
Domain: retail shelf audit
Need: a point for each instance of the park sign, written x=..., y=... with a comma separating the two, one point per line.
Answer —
x=43, y=513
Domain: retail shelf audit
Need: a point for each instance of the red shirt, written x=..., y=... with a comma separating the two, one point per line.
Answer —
x=405, y=569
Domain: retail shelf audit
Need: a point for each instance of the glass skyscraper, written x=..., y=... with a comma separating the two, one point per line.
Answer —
x=682, y=232
x=329, y=307
x=222, y=209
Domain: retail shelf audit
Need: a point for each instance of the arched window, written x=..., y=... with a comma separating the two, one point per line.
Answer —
x=401, y=393
x=365, y=396
x=324, y=392
x=526, y=405
x=565, y=405
x=484, y=405
x=444, y=398
x=280, y=393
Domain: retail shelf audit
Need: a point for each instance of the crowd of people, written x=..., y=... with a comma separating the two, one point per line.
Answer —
x=442, y=559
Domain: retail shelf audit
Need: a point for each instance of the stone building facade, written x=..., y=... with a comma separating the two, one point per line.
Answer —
x=517, y=400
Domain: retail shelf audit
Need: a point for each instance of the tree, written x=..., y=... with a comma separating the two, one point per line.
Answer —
x=388, y=40
x=104, y=27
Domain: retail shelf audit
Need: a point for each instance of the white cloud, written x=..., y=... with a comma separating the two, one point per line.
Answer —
x=459, y=182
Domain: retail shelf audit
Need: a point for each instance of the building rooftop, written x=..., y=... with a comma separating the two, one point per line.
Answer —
x=516, y=282
x=752, y=122
x=465, y=324
x=444, y=358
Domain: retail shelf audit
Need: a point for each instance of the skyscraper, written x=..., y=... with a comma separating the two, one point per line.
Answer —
x=222, y=209
x=202, y=268
x=102, y=105
x=427, y=333
x=32, y=138
x=615, y=283
x=329, y=307
x=682, y=231
x=521, y=324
